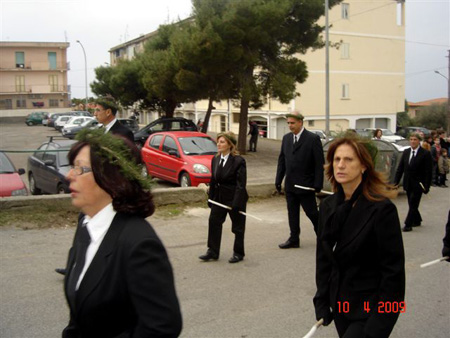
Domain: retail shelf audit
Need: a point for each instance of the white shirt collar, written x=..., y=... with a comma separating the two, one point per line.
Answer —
x=299, y=133
x=100, y=223
x=109, y=125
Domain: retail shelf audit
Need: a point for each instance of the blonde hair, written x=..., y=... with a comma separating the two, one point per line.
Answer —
x=230, y=138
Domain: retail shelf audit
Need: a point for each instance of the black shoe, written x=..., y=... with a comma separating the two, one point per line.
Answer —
x=416, y=225
x=209, y=255
x=407, y=228
x=236, y=258
x=288, y=244
x=61, y=271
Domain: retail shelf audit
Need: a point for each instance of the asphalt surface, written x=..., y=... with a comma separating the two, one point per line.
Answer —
x=269, y=294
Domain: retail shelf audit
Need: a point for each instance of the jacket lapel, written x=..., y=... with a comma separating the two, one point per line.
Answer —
x=98, y=266
x=356, y=222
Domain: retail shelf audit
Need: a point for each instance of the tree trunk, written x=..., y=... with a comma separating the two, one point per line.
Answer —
x=207, y=116
x=170, y=108
x=243, y=116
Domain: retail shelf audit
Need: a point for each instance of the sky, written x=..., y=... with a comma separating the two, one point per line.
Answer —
x=102, y=24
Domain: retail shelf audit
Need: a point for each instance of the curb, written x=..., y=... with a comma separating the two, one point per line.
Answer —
x=160, y=197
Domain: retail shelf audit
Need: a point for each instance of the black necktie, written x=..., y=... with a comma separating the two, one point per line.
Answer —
x=412, y=157
x=295, y=140
x=219, y=169
x=82, y=243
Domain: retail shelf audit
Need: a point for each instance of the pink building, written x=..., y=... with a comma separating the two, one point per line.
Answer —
x=33, y=75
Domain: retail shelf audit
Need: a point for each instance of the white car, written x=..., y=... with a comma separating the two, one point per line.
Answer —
x=388, y=135
x=61, y=121
x=76, y=121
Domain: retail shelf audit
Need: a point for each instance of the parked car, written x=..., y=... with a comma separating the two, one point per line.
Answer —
x=405, y=131
x=35, y=118
x=61, y=121
x=163, y=124
x=387, y=135
x=52, y=118
x=182, y=157
x=71, y=132
x=48, y=166
x=130, y=124
x=45, y=119
x=10, y=182
x=75, y=121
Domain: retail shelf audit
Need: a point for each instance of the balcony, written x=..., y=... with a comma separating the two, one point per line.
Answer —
x=33, y=66
x=34, y=89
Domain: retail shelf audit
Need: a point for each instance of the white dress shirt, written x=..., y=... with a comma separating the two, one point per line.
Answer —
x=97, y=227
x=297, y=136
x=109, y=125
x=224, y=158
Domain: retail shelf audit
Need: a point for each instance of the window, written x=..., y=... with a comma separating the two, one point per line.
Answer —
x=21, y=103
x=6, y=104
x=52, y=60
x=20, y=83
x=345, y=11
x=156, y=141
x=53, y=82
x=345, y=91
x=53, y=103
x=169, y=144
x=20, y=59
x=345, y=50
x=310, y=123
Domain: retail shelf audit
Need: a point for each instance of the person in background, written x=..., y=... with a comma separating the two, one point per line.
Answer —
x=105, y=113
x=435, y=153
x=443, y=140
x=254, y=133
x=377, y=134
x=443, y=168
x=119, y=280
x=416, y=166
x=301, y=162
x=423, y=143
x=446, y=239
x=228, y=186
x=360, y=260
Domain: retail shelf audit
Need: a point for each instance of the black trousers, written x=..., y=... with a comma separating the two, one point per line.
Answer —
x=253, y=142
x=413, y=217
x=309, y=205
x=216, y=219
x=349, y=329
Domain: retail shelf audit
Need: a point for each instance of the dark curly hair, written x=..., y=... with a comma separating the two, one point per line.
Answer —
x=128, y=195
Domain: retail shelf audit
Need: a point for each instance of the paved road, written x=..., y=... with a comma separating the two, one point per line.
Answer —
x=269, y=294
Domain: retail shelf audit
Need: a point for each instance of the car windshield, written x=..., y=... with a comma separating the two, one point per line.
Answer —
x=89, y=123
x=387, y=132
x=5, y=165
x=198, y=145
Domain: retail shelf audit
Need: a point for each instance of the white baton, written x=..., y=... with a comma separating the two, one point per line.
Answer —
x=229, y=208
x=312, y=189
x=313, y=329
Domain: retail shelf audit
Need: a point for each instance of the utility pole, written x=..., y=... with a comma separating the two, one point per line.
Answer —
x=327, y=73
x=448, y=96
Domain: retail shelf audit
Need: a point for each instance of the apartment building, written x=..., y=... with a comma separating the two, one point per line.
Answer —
x=33, y=76
x=367, y=75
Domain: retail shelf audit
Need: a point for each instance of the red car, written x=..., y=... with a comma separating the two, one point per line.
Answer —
x=10, y=182
x=182, y=157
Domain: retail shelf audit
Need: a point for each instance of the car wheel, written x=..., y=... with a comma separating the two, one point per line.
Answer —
x=33, y=189
x=60, y=189
x=29, y=123
x=185, y=180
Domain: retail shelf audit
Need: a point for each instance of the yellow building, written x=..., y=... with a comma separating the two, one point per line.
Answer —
x=33, y=75
x=367, y=76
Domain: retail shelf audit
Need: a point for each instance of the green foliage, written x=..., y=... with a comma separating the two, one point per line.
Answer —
x=113, y=150
x=432, y=117
x=403, y=119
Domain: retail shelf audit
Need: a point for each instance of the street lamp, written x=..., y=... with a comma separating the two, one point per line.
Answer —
x=448, y=98
x=85, y=74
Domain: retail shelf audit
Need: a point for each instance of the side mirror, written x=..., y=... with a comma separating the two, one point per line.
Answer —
x=50, y=163
x=173, y=152
x=21, y=171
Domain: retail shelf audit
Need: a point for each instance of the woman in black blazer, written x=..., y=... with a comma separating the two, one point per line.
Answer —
x=228, y=187
x=360, y=267
x=119, y=280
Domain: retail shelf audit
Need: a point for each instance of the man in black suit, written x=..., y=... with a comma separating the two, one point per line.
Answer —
x=416, y=164
x=105, y=113
x=301, y=161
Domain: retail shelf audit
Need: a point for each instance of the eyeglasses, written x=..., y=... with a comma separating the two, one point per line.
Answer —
x=80, y=170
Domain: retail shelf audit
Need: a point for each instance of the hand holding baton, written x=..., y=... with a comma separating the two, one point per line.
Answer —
x=229, y=208
x=424, y=265
x=312, y=189
x=313, y=329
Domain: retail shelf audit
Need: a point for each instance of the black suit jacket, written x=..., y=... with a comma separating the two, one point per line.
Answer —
x=366, y=265
x=302, y=164
x=119, y=129
x=230, y=188
x=416, y=172
x=128, y=290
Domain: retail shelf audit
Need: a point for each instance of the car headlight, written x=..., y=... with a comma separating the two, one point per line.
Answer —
x=19, y=192
x=200, y=169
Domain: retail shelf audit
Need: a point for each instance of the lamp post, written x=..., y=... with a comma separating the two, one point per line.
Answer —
x=85, y=74
x=448, y=100
x=327, y=73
